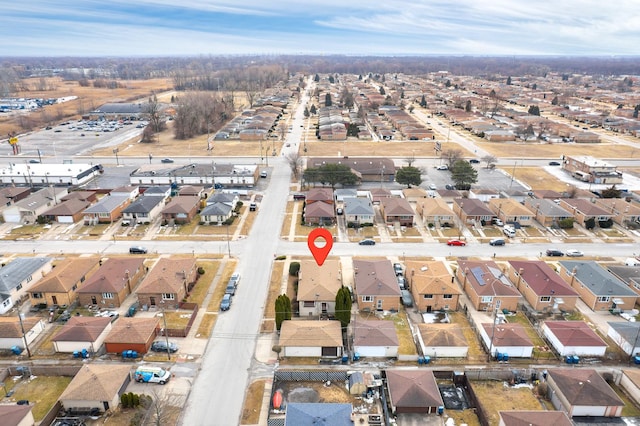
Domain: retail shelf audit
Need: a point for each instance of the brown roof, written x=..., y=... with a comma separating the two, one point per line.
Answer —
x=535, y=418
x=375, y=277
x=543, y=280
x=319, y=194
x=413, y=388
x=13, y=415
x=65, y=275
x=168, y=276
x=112, y=276
x=442, y=335
x=584, y=387
x=430, y=277
x=182, y=204
x=574, y=333
x=82, y=329
x=374, y=333
x=319, y=283
x=67, y=208
x=487, y=279
x=319, y=210
x=397, y=206
x=303, y=333
x=96, y=382
x=133, y=330
x=505, y=335
x=633, y=375
x=10, y=326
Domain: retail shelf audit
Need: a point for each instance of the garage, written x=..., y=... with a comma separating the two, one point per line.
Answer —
x=329, y=351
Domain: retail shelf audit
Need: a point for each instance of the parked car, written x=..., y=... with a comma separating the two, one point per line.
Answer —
x=456, y=243
x=442, y=167
x=367, y=242
x=253, y=207
x=433, y=187
x=225, y=304
x=497, y=222
x=554, y=163
x=402, y=283
x=398, y=269
x=554, y=252
x=161, y=346
x=449, y=187
x=235, y=279
x=263, y=174
x=231, y=289
x=574, y=253
x=406, y=298
x=474, y=161
x=137, y=250
x=166, y=160
x=497, y=242
x=34, y=161
x=339, y=211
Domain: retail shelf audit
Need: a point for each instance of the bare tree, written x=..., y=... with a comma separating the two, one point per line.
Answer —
x=451, y=156
x=489, y=159
x=164, y=409
x=295, y=163
x=152, y=113
x=410, y=160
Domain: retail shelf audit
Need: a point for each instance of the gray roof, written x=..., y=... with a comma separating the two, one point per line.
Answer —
x=345, y=192
x=630, y=331
x=221, y=197
x=358, y=206
x=216, y=209
x=143, y=205
x=318, y=414
x=107, y=204
x=547, y=208
x=597, y=279
x=19, y=270
x=157, y=190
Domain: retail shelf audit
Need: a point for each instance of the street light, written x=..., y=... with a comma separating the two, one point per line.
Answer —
x=115, y=151
x=150, y=157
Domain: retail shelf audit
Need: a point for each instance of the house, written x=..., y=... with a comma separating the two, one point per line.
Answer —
x=322, y=195
x=585, y=210
x=310, y=413
x=89, y=197
x=192, y=191
x=534, y=418
x=511, y=211
x=375, y=338
x=442, y=340
x=17, y=415
x=96, y=387
x=60, y=285
x=541, y=286
x=507, y=338
x=626, y=335
x=162, y=191
x=624, y=213
x=340, y=194
x=368, y=169
x=589, y=169
x=413, y=391
x=376, y=285
x=599, y=289
x=547, y=212
x=379, y=194
x=28, y=209
x=107, y=210
x=319, y=339
x=71, y=211
x=487, y=287
x=415, y=194
x=432, y=286
x=18, y=276
x=136, y=334
x=110, y=285
x=11, y=331
x=167, y=283
x=582, y=392
x=224, y=198
x=181, y=210
x=319, y=213
x=216, y=213
x=317, y=288
x=143, y=209
x=630, y=383
x=82, y=333
x=130, y=191
x=627, y=274
x=573, y=338
x=435, y=212
x=397, y=210
x=472, y=211
x=358, y=211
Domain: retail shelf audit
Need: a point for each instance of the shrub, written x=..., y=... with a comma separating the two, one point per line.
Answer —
x=430, y=225
x=200, y=270
x=294, y=269
x=566, y=223
x=281, y=257
x=125, y=400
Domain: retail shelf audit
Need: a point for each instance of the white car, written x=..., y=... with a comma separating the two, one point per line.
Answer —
x=433, y=187
x=574, y=253
x=442, y=167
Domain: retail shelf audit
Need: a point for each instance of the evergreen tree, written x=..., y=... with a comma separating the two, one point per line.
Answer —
x=313, y=110
x=423, y=102
x=408, y=176
x=343, y=306
x=327, y=100
x=464, y=175
x=509, y=81
x=283, y=310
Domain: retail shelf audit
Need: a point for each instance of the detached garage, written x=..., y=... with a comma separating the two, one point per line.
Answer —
x=303, y=338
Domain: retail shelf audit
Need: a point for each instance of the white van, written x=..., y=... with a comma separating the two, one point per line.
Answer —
x=148, y=374
x=509, y=231
x=632, y=261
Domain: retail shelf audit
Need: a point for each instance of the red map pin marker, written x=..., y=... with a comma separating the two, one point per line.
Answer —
x=320, y=253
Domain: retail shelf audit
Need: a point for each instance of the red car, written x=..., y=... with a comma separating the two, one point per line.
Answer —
x=456, y=243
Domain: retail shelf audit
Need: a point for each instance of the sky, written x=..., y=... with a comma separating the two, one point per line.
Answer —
x=318, y=27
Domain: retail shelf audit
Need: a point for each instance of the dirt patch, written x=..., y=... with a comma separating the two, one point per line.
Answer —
x=336, y=392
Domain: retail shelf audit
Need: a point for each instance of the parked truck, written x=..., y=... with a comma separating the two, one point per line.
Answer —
x=149, y=374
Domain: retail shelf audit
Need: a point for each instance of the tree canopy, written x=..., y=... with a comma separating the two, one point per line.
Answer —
x=343, y=306
x=332, y=174
x=283, y=310
x=408, y=176
x=463, y=174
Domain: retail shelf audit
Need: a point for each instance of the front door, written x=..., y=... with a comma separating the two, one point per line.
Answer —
x=379, y=305
x=324, y=308
x=54, y=300
x=94, y=301
x=429, y=309
x=152, y=301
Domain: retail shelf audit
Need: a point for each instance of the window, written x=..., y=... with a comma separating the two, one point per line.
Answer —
x=308, y=304
x=603, y=299
x=367, y=298
x=428, y=296
x=545, y=298
x=168, y=296
x=19, y=286
x=36, y=295
x=75, y=286
x=447, y=296
x=107, y=295
x=487, y=299
x=29, y=278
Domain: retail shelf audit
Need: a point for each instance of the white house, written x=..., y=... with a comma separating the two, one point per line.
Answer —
x=96, y=386
x=573, y=338
x=302, y=338
x=375, y=338
x=626, y=335
x=28, y=209
x=630, y=382
x=442, y=341
x=507, y=338
x=11, y=331
x=82, y=333
x=18, y=276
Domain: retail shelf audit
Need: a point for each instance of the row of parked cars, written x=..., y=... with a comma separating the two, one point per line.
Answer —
x=230, y=291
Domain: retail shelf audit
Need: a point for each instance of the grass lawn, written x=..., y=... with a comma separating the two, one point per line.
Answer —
x=41, y=392
x=546, y=150
x=288, y=217
x=275, y=285
x=540, y=349
x=253, y=403
x=476, y=352
x=463, y=417
x=248, y=221
x=407, y=345
x=495, y=396
x=206, y=325
x=537, y=178
x=199, y=292
x=214, y=302
x=175, y=319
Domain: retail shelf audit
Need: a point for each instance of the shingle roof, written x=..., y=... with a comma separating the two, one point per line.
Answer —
x=112, y=276
x=374, y=333
x=487, y=279
x=584, y=387
x=442, y=335
x=64, y=276
x=107, y=204
x=535, y=418
x=543, y=280
x=167, y=276
x=397, y=206
x=143, y=205
x=413, y=388
x=301, y=333
x=506, y=335
x=375, y=277
x=96, y=382
x=431, y=277
x=10, y=326
x=596, y=279
x=319, y=283
x=133, y=330
x=318, y=414
x=82, y=329
x=574, y=333
x=183, y=204
x=19, y=270
x=13, y=415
